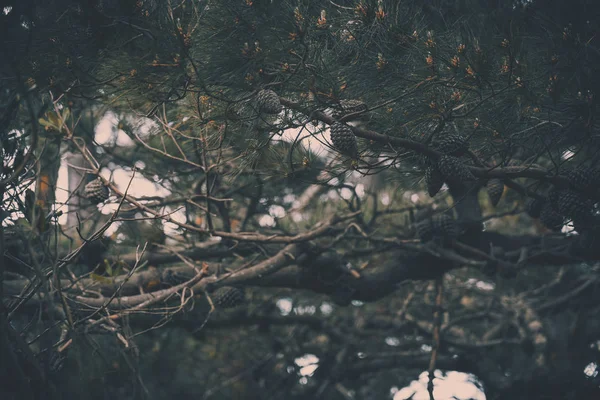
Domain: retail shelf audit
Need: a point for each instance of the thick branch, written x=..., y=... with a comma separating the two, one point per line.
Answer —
x=327, y=273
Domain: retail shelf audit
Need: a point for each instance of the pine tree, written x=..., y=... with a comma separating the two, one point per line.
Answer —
x=212, y=124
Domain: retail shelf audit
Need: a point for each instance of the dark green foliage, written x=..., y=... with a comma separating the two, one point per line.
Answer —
x=517, y=78
x=228, y=297
x=453, y=170
x=268, y=102
x=343, y=139
x=434, y=180
x=95, y=191
x=495, y=189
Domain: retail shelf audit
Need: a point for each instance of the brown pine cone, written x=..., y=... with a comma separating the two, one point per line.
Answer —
x=228, y=297
x=495, y=189
x=95, y=191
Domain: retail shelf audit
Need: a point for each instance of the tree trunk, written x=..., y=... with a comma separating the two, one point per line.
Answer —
x=76, y=205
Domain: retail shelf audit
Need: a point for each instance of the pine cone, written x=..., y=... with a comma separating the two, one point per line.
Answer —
x=343, y=139
x=444, y=226
x=424, y=230
x=95, y=191
x=585, y=181
x=495, y=189
x=453, y=170
x=452, y=144
x=268, y=102
x=533, y=207
x=228, y=297
x=434, y=180
x=350, y=107
x=550, y=218
x=572, y=205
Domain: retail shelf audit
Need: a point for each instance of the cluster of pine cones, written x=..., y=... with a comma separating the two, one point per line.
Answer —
x=575, y=203
x=341, y=135
x=449, y=168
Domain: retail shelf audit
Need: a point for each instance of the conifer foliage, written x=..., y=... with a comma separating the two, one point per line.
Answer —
x=304, y=158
